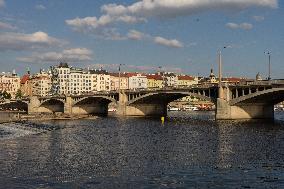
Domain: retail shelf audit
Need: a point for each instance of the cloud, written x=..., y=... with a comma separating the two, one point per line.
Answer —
x=6, y=26
x=2, y=3
x=174, y=8
x=258, y=18
x=69, y=55
x=92, y=24
x=243, y=26
x=40, y=7
x=168, y=42
x=135, y=35
x=21, y=41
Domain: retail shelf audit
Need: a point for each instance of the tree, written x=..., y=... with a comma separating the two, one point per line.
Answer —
x=19, y=94
x=6, y=95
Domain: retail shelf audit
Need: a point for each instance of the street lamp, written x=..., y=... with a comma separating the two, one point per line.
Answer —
x=160, y=68
x=269, y=64
x=119, y=76
x=220, y=92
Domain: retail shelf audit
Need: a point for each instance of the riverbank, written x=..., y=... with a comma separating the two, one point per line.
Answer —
x=7, y=117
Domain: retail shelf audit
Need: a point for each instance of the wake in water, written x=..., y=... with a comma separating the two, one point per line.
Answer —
x=19, y=129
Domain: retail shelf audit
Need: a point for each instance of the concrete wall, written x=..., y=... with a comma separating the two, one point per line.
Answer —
x=243, y=111
x=95, y=108
x=143, y=110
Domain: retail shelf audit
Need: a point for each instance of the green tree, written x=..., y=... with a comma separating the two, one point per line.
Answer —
x=19, y=94
x=6, y=95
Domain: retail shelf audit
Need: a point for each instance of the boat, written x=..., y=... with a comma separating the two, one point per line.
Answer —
x=173, y=109
x=111, y=110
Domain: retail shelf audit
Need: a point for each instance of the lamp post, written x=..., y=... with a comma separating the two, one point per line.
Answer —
x=119, y=77
x=269, y=64
x=160, y=68
x=220, y=90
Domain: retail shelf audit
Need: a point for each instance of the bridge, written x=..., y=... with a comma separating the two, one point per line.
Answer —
x=243, y=101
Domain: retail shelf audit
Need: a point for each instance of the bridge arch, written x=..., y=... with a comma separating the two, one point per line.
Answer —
x=166, y=97
x=85, y=100
x=270, y=96
x=92, y=105
x=52, y=105
x=18, y=104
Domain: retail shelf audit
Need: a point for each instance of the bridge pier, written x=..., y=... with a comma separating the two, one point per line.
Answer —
x=33, y=105
x=225, y=111
x=139, y=109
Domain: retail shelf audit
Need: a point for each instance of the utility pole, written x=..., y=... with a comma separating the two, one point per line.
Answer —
x=119, y=77
x=269, y=64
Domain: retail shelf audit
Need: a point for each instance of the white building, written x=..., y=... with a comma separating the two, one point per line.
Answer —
x=114, y=81
x=76, y=81
x=10, y=83
x=137, y=81
x=171, y=79
x=100, y=80
x=41, y=84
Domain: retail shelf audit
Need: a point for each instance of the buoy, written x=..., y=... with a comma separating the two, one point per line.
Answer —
x=163, y=120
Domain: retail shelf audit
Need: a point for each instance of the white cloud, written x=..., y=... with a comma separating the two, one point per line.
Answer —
x=173, y=8
x=40, y=7
x=258, y=18
x=92, y=24
x=135, y=35
x=21, y=41
x=168, y=42
x=69, y=55
x=6, y=26
x=2, y=3
x=244, y=26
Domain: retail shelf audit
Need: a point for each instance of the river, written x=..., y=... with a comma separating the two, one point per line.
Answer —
x=190, y=150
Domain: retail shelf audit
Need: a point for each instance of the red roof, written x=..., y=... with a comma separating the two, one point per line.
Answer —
x=156, y=77
x=25, y=78
x=185, y=77
x=232, y=79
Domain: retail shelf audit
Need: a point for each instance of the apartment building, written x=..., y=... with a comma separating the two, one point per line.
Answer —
x=137, y=81
x=154, y=81
x=41, y=84
x=9, y=82
x=114, y=79
x=186, y=81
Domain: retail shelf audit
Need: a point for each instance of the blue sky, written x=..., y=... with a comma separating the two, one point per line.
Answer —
x=178, y=35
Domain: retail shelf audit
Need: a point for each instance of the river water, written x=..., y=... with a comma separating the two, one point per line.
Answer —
x=190, y=150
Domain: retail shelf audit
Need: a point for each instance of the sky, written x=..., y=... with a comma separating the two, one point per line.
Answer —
x=181, y=36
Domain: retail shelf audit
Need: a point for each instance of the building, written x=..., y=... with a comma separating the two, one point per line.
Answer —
x=9, y=82
x=25, y=85
x=154, y=81
x=171, y=79
x=186, y=81
x=100, y=80
x=40, y=84
x=77, y=81
x=137, y=81
x=114, y=80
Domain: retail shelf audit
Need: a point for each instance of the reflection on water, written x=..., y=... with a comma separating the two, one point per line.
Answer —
x=189, y=150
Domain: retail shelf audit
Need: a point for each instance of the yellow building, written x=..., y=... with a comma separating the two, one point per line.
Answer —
x=186, y=81
x=155, y=81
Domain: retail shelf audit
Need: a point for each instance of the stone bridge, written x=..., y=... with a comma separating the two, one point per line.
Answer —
x=234, y=102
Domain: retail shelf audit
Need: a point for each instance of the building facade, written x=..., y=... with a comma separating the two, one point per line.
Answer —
x=9, y=82
x=40, y=84
x=137, y=81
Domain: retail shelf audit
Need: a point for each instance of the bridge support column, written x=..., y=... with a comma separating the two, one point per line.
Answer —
x=68, y=105
x=33, y=105
x=121, y=104
x=224, y=111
